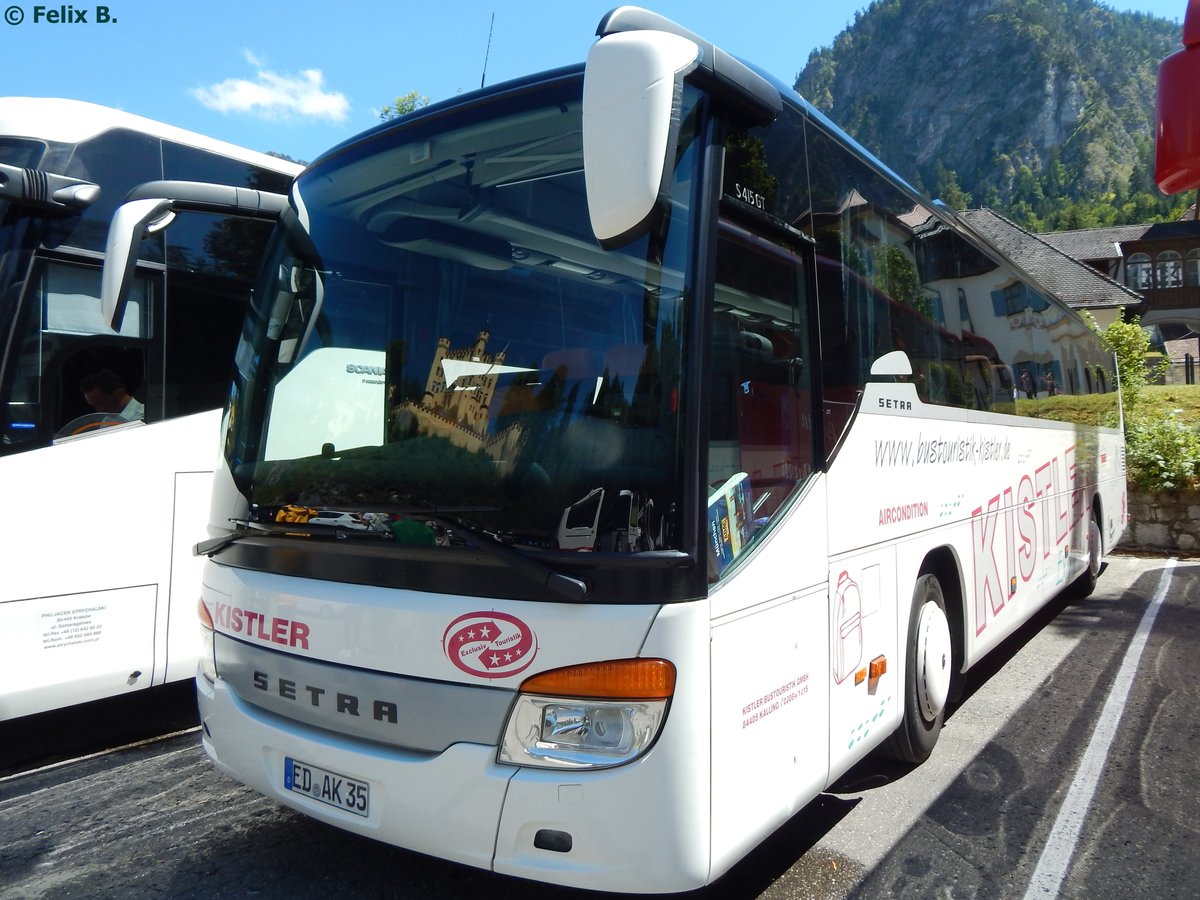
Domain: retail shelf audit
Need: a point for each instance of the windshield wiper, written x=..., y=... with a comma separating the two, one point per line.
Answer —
x=247, y=527
x=572, y=588
x=213, y=546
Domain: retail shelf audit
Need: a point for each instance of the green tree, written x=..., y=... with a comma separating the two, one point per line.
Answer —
x=949, y=190
x=1130, y=343
x=1163, y=452
x=286, y=158
x=897, y=277
x=403, y=105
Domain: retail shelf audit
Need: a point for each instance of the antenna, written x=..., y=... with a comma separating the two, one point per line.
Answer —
x=483, y=77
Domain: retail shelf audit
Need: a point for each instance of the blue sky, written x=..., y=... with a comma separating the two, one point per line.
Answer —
x=298, y=76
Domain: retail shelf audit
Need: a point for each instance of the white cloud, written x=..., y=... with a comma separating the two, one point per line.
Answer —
x=276, y=97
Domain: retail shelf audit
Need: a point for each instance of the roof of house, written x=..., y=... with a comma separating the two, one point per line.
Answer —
x=1060, y=272
x=1094, y=243
x=1105, y=243
x=1179, y=350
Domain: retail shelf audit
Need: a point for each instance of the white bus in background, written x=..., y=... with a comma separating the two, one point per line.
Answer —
x=694, y=472
x=99, y=587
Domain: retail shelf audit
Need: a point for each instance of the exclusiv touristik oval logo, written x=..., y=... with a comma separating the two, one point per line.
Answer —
x=490, y=644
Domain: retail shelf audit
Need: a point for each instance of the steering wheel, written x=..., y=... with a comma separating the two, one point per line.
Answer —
x=90, y=422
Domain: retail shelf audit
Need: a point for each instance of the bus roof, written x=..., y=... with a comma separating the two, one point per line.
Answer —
x=72, y=121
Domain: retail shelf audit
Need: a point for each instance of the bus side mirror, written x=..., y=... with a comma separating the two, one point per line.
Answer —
x=632, y=99
x=131, y=222
x=632, y=107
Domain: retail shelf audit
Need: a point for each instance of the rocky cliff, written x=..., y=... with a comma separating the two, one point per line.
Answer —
x=1006, y=102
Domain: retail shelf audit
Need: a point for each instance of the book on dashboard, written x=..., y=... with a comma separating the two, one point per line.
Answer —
x=729, y=522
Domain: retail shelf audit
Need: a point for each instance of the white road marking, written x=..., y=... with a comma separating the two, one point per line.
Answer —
x=1060, y=846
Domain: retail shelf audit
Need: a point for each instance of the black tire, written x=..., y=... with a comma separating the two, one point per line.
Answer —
x=1086, y=582
x=928, y=673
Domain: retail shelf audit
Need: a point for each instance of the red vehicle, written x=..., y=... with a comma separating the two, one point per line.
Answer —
x=1177, y=137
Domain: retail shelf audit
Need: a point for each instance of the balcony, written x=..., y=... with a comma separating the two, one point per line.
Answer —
x=1169, y=298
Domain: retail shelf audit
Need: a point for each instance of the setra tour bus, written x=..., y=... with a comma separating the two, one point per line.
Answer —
x=107, y=436
x=617, y=456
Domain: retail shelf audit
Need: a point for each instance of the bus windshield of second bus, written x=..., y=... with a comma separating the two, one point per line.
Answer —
x=106, y=434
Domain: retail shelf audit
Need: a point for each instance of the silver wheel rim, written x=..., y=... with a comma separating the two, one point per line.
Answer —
x=933, y=660
x=1094, y=555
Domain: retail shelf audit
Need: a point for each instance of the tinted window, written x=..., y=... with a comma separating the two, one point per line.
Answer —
x=892, y=275
x=60, y=337
x=761, y=444
x=191, y=164
x=20, y=153
x=211, y=263
x=118, y=161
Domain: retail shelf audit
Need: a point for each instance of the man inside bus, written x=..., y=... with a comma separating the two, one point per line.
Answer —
x=105, y=392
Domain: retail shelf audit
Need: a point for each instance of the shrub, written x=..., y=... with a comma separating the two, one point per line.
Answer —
x=1163, y=454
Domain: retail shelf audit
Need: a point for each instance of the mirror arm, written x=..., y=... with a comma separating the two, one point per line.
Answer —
x=199, y=196
x=152, y=206
x=45, y=190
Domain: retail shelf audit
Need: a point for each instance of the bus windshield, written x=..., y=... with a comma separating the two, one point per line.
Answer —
x=439, y=347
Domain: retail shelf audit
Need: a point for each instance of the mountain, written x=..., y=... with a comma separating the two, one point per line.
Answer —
x=1040, y=109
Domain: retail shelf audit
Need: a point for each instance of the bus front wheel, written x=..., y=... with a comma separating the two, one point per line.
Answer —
x=1086, y=583
x=927, y=675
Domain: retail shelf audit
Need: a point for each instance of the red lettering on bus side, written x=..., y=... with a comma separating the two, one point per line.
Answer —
x=1010, y=541
x=278, y=631
x=1044, y=481
x=299, y=637
x=989, y=589
x=1064, y=504
x=1070, y=497
x=1078, y=498
x=1027, y=528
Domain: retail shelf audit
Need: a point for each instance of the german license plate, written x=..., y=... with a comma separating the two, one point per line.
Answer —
x=336, y=790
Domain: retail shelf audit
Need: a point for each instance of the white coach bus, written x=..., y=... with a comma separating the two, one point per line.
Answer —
x=107, y=436
x=617, y=456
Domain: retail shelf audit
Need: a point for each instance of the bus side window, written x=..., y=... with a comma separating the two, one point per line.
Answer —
x=78, y=343
x=61, y=337
x=761, y=445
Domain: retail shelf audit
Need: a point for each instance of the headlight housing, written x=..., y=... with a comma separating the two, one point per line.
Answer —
x=590, y=716
x=208, y=651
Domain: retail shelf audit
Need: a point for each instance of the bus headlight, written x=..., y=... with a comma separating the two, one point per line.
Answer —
x=208, y=651
x=589, y=716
